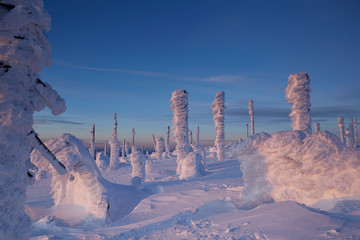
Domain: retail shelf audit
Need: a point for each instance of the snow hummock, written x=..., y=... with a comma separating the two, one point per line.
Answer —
x=290, y=165
x=297, y=93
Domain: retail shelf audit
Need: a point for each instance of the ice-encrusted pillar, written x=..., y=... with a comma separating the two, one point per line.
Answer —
x=218, y=107
x=23, y=48
x=179, y=106
x=297, y=93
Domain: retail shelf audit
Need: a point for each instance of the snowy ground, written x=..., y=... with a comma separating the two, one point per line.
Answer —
x=204, y=208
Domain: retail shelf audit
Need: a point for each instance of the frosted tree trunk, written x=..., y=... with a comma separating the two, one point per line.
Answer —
x=23, y=48
x=114, y=147
x=317, y=127
x=92, y=142
x=179, y=106
x=167, y=142
x=356, y=131
x=247, y=130
x=127, y=149
x=190, y=137
x=105, y=149
x=197, y=136
x=297, y=93
x=154, y=141
x=351, y=128
x=251, y=112
x=123, y=149
x=159, y=147
x=218, y=107
x=341, y=126
x=133, y=137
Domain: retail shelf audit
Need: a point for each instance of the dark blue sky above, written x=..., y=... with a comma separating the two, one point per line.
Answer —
x=128, y=56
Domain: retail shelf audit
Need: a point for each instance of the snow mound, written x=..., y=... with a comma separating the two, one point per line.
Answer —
x=191, y=166
x=82, y=197
x=289, y=165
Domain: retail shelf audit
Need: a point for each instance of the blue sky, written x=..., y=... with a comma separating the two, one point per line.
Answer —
x=128, y=56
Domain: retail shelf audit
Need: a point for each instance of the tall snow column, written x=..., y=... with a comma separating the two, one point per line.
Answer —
x=23, y=48
x=159, y=147
x=218, y=107
x=190, y=137
x=251, y=113
x=114, y=147
x=341, y=126
x=179, y=106
x=92, y=142
x=297, y=93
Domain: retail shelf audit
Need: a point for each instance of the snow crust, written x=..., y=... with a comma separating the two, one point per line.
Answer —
x=291, y=165
x=218, y=107
x=297, y=93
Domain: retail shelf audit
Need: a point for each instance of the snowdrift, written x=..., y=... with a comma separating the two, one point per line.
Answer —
x=83, y=198
x=292, y=166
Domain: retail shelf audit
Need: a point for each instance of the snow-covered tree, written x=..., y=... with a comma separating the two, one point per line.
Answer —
x=197, y=136
x=114, y=147
x=138, y=167
x=167, y=142
x=123, y=149
x=247, y=130
x=297, y=93
x=105, y=149
x=251, y=113
x=159, y=147
x=190, y=137
x=179, y=106
x=218, y=107
x=127, y=149
x=133, y=137
x=23, y=48
x=355, y=132
x=341, y=126
x=317, y=127
x=92, y=142
x=348, y=138
x=351, y=128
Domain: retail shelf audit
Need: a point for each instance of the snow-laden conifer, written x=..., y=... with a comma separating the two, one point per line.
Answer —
x=138, y=167
x=105, y=149
x=23, y=48
x=197, y=136
x=352, y=131
x=179, y=106
x=190, y=137
x=218, y=107
x=247, y=130
x=123, y=150
x=167, y=142
x=341, y=126
x=159, y=147
x=114, y=147
x=297, y=93
x=251, y=113
x=92, y=142
x=317, y=127
x=355, y=132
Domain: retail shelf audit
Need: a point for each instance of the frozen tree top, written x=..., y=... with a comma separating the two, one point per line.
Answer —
x=298, y=82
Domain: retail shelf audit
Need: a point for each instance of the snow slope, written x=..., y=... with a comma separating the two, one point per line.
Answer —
x=206, y=207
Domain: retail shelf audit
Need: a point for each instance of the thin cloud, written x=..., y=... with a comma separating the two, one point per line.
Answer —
x=211, y=79
x=57, y=120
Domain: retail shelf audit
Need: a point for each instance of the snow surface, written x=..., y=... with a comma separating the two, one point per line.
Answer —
x=211, y=206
